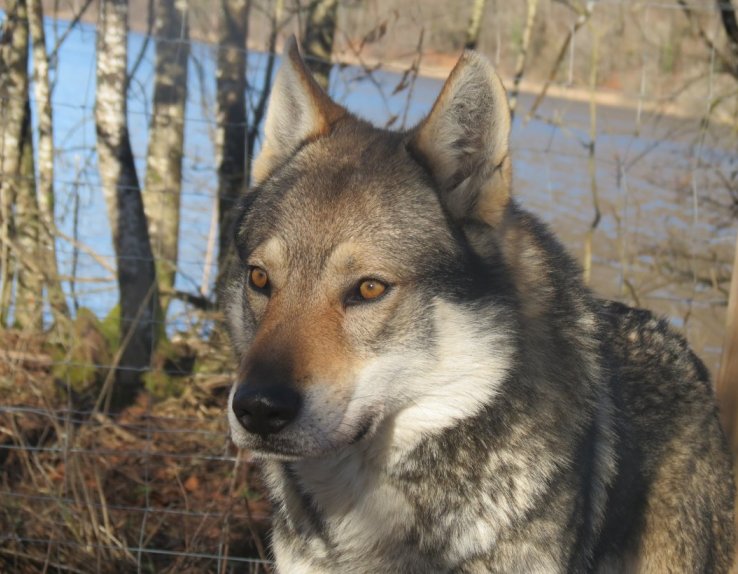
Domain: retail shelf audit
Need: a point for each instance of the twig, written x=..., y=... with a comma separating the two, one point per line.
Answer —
x=582, y=18
x=592, y=160
x=198, y=301
x=147, y=39
x=413, y=72
x=77, y=17
x=38, y=359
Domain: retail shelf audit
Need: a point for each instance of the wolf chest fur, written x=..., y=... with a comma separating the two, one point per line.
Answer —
x=426, y=380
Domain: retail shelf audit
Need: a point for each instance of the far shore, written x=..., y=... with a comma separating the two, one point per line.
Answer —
x=438, y=65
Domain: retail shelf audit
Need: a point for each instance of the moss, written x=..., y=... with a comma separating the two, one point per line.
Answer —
x=84, y=357
x=162, y=385
x=251, y=495
x=211, y=365
x=110, y=327
x=171, y=366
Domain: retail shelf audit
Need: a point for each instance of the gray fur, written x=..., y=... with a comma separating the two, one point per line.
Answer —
x=488, y=413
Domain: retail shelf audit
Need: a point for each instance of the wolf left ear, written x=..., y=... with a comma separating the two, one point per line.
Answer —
x=299, y=110
x=464, y=141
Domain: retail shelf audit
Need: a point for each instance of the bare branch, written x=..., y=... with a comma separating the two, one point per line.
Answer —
x=145, y=45
x=70, y=27
x=583, y=15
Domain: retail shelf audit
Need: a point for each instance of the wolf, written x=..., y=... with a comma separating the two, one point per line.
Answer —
x=426, y=380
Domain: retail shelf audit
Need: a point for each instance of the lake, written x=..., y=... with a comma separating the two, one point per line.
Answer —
x=665, y=239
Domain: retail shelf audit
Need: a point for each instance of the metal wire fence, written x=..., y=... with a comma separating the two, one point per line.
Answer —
x=159, y=487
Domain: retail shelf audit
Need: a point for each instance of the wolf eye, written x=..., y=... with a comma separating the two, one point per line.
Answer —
x=259, y=278
x=366, y=290
x=371, y=289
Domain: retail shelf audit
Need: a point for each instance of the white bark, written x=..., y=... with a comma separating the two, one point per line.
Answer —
x=475, y=24
x=163, y=184
x=42, y=90
x=13, y=99
x=523, y=53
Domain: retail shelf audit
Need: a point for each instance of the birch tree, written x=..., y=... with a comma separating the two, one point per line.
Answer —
x=29, y=289
x=13, y=110
x=475, y=25
x=135, y=264
x=522, y=58
x=317, y=44
x=231, y=120
x=42, y=89
x=163, y=185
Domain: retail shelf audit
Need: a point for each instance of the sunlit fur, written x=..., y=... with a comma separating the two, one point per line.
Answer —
x=485, y=412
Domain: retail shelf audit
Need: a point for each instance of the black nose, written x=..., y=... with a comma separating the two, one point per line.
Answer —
x=265, y=410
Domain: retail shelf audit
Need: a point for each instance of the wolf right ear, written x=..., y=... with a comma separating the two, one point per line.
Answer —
x=464, y=141
x=299, y=110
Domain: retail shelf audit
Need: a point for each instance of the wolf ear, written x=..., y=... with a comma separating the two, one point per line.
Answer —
x=299, y=110
x=464, y=141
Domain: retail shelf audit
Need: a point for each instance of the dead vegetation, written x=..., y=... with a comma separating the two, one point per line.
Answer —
x=157, y=486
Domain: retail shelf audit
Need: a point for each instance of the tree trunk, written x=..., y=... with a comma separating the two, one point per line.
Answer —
x=135, y=263
x=317, y=44
x=47, y=236
x=727, y=380
x=475, y=24
x=730, y=25
x=523, y=53
x=29, y=296
x=14, y=97
x=231, y=118
x=259, y=110
x=163, y=185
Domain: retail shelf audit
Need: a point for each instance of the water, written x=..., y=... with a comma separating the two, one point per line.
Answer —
x=665, y=222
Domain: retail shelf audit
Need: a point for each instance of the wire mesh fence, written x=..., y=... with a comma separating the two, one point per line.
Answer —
x=630, y=158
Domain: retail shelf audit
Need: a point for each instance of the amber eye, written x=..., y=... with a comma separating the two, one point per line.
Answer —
x=259, y=278
x=371, y=289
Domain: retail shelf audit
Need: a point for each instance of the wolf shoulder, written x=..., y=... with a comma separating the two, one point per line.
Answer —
x=672, y=446
x=655, y=370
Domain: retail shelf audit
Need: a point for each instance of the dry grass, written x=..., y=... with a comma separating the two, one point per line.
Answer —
x=156, y=488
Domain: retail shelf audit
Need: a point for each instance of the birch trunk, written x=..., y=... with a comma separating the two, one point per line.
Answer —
x=13, y=100
x=163, y=185
x=475, y=24
x=47, y=235
x=231, y=118
x=320, y=30
x=135, y=263
x=523, y=53
x=259, y=110
x=29, y=289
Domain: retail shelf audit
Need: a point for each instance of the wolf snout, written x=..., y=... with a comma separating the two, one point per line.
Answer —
x=266, y=410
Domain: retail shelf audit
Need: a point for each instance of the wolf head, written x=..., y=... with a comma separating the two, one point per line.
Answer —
x=361, y=305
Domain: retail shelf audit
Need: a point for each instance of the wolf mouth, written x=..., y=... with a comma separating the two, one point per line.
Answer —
x=277, y=447
x=363, y=430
